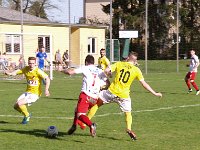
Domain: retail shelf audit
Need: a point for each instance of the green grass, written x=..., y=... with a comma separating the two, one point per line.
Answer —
x=160, y=124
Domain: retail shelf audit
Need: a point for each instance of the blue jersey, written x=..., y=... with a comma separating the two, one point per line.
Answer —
x=41, y=57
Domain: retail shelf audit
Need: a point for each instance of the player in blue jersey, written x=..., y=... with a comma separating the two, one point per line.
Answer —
x=41, y=56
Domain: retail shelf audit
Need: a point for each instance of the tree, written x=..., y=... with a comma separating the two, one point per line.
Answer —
x=33, y=7
x=37, y=9
x=190, y=25
x=130, y=15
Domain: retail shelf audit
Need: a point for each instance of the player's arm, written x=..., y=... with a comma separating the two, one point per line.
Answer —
x=148, y=88
x=14, y=73
x=69, y=71
x=47, y=93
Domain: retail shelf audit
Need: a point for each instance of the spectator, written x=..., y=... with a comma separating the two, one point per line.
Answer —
x=3, y=61
x=66, y=58
x=58, y=59
x=21, y=62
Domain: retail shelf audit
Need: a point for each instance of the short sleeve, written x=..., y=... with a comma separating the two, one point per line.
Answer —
x=139, y=75
x=113, y=67
x=42, y=74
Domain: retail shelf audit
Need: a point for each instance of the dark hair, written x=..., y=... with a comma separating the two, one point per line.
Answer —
x=32, y=58
x=89, y=59
x=133, y=53
x=103, y=49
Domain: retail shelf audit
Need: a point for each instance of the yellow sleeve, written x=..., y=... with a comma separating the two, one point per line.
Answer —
x=139, y=75
x=42, y=74
x=107, y=61
x=20, y=71
x=113, y=67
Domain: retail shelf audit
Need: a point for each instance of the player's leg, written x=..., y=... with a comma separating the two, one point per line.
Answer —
x=82, y=109
x=104, y=97
x=187, y=81
x=73, y=127
x=125, y=106
x=21, y=105
x=192, y=80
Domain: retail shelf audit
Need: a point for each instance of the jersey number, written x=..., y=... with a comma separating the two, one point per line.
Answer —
x=94, y=75
x=124, y=76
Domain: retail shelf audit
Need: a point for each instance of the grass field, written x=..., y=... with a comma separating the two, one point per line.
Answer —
x=170, y=123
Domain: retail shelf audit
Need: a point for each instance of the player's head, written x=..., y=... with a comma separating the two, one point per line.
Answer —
x=31, y=62
x=89, y=60
x=192, y=52
x=132, y=57
x=42, y=49
x=102, y=52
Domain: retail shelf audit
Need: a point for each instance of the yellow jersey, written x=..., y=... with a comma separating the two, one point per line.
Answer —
x=34, y=79
x=103, y=62
x=126, y=73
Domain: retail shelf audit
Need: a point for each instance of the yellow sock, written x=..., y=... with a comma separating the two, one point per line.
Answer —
x=24, y=110
x=128, y=120
x=92, y=111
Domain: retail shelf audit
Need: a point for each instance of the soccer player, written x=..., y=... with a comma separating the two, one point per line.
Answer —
x=125, y=73
x=190, y=76
x=89, y=92
x=103, y=61
x=41, y=56
x=34, y=77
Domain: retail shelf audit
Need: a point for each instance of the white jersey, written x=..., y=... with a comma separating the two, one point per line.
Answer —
x=193, y=62
x=92, y=78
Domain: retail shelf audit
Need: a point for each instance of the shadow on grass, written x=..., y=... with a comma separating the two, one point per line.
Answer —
x=60, y=98
x=104, y=136
x=34, y=132
x=158, y=91
x=4, y=122
x=8, y=82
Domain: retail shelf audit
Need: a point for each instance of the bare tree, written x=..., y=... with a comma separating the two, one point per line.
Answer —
x=33, y=7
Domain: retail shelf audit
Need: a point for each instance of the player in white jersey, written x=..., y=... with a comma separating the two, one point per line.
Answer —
x=190, y=76
x=92, y=77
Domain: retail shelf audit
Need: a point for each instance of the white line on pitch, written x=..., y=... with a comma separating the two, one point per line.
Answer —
x=107, y=114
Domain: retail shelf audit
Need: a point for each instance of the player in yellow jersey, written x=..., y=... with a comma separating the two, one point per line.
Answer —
x=34, y=77
x=103, y=61
x=119, y=91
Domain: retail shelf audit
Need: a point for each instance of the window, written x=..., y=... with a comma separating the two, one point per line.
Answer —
x=13, y=44
x=92, y=45
x=44, y=41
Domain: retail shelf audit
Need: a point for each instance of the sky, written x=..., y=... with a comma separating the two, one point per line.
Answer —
x=61, y=14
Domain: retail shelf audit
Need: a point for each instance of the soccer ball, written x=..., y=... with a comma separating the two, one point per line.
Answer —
x=52, y=132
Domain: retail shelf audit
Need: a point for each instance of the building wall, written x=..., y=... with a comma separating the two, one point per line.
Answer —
x=97, y=33
x=93, y=9
x=75, y=47
x=60, y=38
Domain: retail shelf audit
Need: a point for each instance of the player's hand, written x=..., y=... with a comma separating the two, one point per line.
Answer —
x=159, y=95
x=47, y=93
x=7, y=72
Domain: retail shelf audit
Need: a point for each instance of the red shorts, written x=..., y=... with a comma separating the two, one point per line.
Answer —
x=191, y=75
x=85, y=102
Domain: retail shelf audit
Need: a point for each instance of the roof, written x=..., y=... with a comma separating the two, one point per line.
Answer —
x=7, y=14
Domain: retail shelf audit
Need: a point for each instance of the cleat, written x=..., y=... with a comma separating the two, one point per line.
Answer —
x=131, y=134
x=197, y=93
x=26, y=119
x=189, y=91
x=81, y=124
x=93, y=130
x=72, y=129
